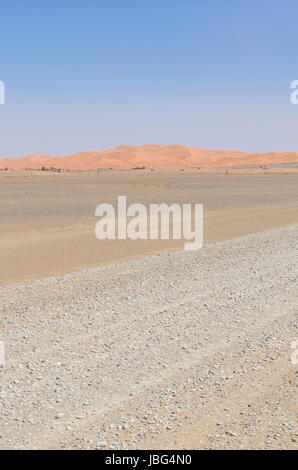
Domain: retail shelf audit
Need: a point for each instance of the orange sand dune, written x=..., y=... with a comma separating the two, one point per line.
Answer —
x=150, y=156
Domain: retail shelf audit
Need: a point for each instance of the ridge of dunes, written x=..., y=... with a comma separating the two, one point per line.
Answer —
x=149, y=156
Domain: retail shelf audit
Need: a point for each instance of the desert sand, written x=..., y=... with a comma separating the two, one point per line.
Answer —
x=139, y=344
x=187, y=350
x=149, y=156
x=48, y=219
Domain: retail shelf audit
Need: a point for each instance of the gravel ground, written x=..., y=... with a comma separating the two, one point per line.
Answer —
x=185, y=350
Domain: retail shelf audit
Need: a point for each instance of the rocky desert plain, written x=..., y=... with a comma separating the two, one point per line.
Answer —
x=138, y=344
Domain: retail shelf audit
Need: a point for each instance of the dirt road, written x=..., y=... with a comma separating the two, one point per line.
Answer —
x=181, y=350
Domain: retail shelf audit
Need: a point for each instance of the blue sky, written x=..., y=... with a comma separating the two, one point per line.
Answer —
x=95, y=74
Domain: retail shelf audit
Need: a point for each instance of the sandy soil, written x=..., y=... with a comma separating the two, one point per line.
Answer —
x=183, y=350
x=179, y=350
x=47, y=219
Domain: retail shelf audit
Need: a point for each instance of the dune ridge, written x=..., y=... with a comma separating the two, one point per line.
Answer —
x=149, y=156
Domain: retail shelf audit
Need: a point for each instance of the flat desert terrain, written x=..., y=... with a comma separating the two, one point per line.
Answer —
x=47, y=220
x=187, y=350
x=139, y=344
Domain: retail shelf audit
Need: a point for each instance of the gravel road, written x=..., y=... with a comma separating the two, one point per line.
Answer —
x=184, y=350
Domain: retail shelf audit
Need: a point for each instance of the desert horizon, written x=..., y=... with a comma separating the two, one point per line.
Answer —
x=149, y=156
x=148, y=228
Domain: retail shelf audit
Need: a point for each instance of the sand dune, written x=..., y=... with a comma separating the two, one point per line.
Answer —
x=150, y=156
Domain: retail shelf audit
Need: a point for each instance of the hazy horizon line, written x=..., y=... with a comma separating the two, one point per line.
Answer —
x=144, y=145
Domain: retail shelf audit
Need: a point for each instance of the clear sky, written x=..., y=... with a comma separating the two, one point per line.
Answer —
x=94, y=74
